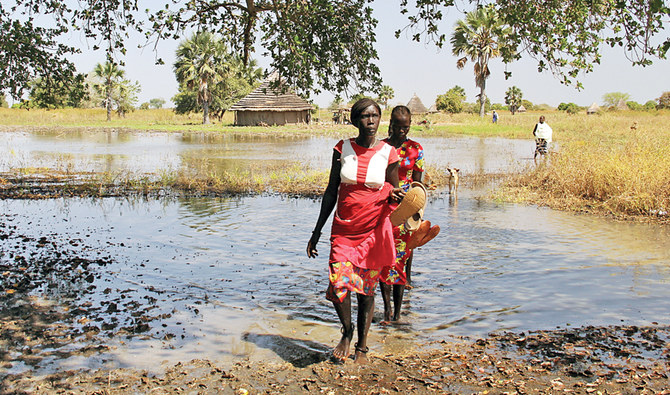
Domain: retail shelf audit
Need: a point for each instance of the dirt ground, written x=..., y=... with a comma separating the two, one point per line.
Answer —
x=590, y=360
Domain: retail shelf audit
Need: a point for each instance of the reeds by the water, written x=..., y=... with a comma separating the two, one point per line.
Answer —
x=615, y=164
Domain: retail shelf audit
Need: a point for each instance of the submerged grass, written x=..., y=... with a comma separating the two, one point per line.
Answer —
x=614, y=163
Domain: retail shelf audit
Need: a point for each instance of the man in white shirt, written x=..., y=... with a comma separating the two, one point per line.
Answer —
x=542, y=133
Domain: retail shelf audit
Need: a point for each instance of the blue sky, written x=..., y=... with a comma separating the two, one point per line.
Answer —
x=423, y=69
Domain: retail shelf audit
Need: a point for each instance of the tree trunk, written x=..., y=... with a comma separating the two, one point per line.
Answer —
x=205, y=113
x=482, y=99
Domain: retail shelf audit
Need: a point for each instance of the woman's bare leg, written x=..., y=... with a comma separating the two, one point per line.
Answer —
x=343, y=310
x=366, y=308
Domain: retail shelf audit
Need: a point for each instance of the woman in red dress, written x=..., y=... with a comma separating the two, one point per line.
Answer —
x=410, y=169
x=363, y=184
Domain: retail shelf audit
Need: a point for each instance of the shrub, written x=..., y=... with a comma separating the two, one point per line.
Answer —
x=664, y=100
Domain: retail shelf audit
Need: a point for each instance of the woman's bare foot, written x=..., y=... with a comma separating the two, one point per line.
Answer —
x=361, y=356
x=341, y=351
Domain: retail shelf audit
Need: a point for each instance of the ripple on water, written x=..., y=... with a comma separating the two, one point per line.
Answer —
x=229, y=277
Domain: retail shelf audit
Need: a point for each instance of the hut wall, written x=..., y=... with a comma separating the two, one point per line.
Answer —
x=252, y=118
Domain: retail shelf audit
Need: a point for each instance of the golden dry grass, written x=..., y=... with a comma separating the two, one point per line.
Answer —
x=616, y=164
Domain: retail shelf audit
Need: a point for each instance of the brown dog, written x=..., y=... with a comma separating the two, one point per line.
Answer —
x=453, y=179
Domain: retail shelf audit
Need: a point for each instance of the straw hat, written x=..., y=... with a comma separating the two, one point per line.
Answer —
x=412, y=204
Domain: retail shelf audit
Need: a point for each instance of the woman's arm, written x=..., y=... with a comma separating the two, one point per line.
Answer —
x=327, y=204
x=392, y=178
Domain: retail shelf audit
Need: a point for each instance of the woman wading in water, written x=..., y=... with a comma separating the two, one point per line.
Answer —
x=410, y=169
x=363, y=184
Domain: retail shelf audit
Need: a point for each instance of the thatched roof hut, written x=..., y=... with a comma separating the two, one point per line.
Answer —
x=416, y=106
x=593, y=109
x=265, y=106
x=433, y=109
x=521, y=109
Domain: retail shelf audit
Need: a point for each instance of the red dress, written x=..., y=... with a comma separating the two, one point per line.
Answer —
x=362, y=235
x=411, y=161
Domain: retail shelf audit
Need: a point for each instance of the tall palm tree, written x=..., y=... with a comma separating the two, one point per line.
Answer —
x=111, y=76
x=197, y=66
x=480, y=38
x=513, y=97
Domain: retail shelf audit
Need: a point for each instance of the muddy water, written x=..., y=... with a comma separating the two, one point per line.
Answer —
x=228, y=278
x=154, y=152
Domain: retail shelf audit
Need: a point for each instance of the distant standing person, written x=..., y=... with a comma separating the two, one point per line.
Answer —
x=495, y=116
x=411, y=168
x=542, y=133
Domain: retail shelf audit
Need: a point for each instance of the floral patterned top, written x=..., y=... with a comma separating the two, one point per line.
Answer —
x=411, y=160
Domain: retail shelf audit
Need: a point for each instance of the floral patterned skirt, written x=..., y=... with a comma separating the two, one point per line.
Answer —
x=345, y=277
x=396, y=274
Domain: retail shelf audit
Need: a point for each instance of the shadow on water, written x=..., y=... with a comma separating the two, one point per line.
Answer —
x=298, y=352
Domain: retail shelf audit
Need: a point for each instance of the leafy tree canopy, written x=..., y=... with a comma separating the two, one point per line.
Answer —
x=156, y=103
x=320, y=44
x=3, y=101
x=452, y=101
x=57, y=94
x=664, y=100
x=612, y=99
x=513, y=98
x=210, y=77
x=565, y=37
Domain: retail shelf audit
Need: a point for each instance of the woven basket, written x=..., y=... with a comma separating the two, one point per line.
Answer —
x=414, y=200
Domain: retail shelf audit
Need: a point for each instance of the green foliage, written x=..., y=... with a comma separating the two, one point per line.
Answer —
x=157, y=102
x=664, y=100
x=499, y=107
x=650, y=105
x=111, y=76
x=565, y=37
x=573, y=108
x=46, y=93
x=612, y=99
x=210, y=77
x=479, y=38
x=452, y=101
x=570, y=108
x=633, y=105
x=513, y=97
x=3, y=101
x=386, y=93
x=125, y=97
x=527, y=104
x=144, y=106
x=320, y=44
x=28, y=52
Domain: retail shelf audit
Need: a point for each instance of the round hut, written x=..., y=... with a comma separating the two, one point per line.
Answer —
x=416, y=106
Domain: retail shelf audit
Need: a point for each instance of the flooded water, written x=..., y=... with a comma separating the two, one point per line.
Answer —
x=228, y=278
x=153, y=152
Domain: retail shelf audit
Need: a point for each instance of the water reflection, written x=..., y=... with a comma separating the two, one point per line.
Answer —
x=212, y=270
x=153, y=152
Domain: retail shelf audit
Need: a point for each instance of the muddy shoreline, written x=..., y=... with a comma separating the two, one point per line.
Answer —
x=602, y=360
x=46, y=318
